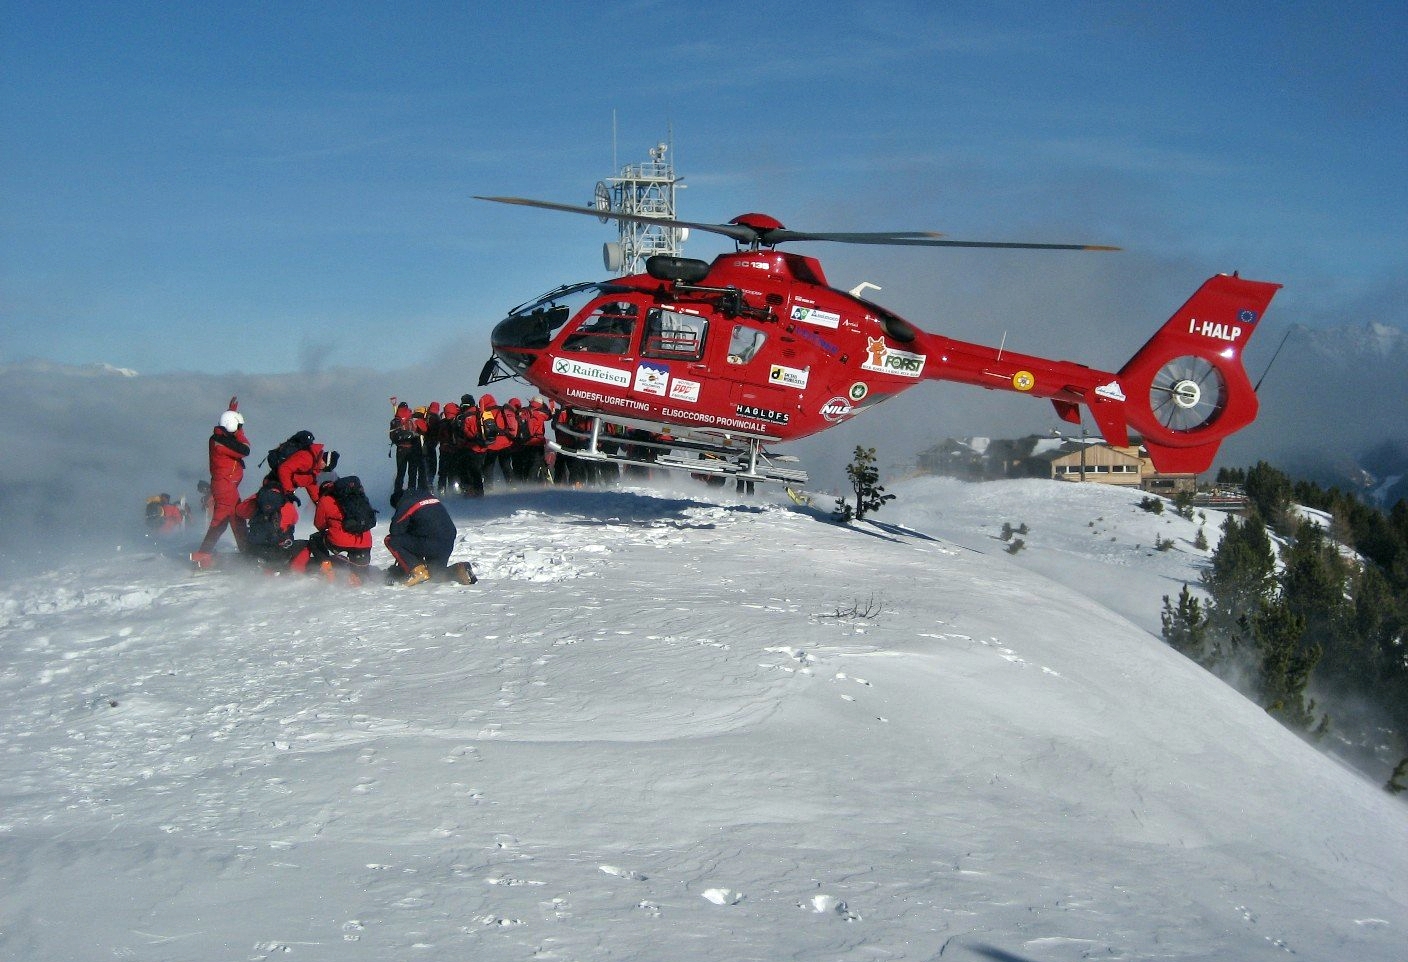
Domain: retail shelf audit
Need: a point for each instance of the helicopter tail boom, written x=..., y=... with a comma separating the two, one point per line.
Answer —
x=1183, y=392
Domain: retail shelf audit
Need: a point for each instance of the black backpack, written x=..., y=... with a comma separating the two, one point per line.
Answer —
x=287, y=449
x=489, y=428
x=358, y=515
x=266, y=527
x=470, y=426
x=516, y=422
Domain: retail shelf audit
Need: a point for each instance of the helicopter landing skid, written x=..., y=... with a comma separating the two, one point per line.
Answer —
x=749, y=463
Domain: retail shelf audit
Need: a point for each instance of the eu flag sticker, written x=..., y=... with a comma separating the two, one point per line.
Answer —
x=1246, y=317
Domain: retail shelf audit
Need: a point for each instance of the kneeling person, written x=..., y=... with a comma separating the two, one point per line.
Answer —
x=421, y=539
x=272, y=515
x=344, y=520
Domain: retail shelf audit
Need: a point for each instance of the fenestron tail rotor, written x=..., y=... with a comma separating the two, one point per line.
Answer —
x=1187, y=393
x=759, y=230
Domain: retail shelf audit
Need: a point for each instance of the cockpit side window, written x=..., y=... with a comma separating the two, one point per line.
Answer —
x=745, y=343
x=671, y=335
x=607, y=330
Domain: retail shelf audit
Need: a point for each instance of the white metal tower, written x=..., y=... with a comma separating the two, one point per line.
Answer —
x=646, y=189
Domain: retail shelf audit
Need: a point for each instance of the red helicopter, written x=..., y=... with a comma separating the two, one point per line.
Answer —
x=706, y=366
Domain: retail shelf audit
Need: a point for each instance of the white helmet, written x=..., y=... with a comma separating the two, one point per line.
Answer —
x=231, y=421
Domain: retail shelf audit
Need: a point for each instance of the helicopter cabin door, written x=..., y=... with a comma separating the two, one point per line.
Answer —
x=672, y=365
x=764, y=387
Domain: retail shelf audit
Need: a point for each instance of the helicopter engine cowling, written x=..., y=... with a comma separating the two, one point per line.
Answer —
x=686, y=270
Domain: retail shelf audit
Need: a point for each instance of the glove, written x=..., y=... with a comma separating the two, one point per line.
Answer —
x=234, y=404
x=332, y=460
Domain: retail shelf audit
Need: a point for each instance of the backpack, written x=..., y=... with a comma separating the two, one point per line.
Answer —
x=489, y=425
x=515, y=423
x=154, y=510
x=266, y=526
x=287, y=449
x=471, y=426
x=402, y=432
x=358, y=515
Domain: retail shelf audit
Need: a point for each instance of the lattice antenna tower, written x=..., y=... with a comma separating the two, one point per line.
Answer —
x=647, y=189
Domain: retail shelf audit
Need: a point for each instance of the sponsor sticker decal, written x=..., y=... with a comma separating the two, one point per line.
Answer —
x=682, y=390
x=1245, y=316
x=652, y=378
x=1113, y=391
x=761, y=414
x=1023, y=380
x=788, y=376
x=888, y=360
x=858, y=392
x=836, y=410
x=814, y=315
x=812, y=337
x=567, y=367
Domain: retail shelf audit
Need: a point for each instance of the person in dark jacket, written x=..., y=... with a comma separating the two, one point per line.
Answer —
x=406, y=436
x=450, y=446
x=421, y=539
x=228, y=448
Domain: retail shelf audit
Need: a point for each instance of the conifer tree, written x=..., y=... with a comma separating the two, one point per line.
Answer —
x=1239, y=582
x=1269, y=491
x=865, y=482
x=1286, y=661
x=1185, y=627
x=1398, y=781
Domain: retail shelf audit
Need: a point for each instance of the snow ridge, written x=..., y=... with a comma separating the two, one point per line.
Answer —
x=663, y=725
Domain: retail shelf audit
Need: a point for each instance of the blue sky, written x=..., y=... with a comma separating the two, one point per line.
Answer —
x=273, y=187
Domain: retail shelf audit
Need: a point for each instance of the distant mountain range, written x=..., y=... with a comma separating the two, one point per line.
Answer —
x=1334, y=409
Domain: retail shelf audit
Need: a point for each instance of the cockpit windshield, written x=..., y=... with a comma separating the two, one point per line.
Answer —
x=531, y=327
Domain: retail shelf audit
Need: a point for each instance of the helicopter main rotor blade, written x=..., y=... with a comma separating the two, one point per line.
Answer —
x=740, y=233
x=1004, y=245
x=923, y=239
x=769, y=237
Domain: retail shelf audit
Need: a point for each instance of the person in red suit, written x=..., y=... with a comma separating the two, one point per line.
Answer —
x=332, y=545
x=228, y=448
x=272, y=515
x=302, y=467
x=539, y=415
x=498, y=440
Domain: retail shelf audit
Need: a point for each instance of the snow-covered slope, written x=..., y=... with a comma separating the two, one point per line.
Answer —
x=652, y=731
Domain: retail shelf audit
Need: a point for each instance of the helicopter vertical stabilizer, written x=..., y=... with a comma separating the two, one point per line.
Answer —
x=1187, y=388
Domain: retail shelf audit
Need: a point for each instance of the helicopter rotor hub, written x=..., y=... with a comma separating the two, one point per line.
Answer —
x=1186, y=393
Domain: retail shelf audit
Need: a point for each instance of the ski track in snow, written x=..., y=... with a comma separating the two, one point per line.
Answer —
x=232, y=739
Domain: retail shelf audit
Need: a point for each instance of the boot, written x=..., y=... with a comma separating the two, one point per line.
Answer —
x=418, y=574
x=462, y=573
x=202, y=559
x=329, y=574
x=354, y=580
